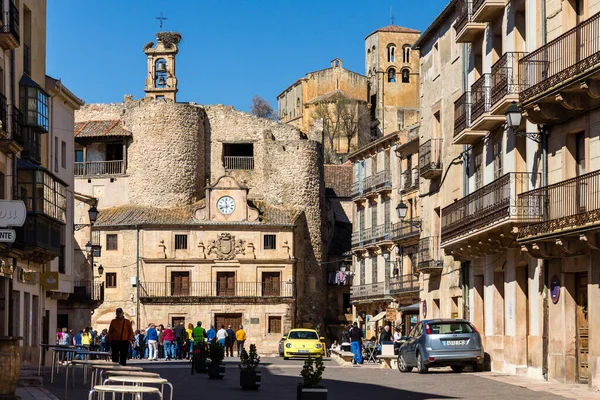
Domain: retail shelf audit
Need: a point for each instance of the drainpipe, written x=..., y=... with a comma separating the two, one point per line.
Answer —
x=465, y=83
x=137, y=277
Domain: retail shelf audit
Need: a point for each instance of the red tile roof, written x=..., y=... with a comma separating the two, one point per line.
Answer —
x=395, y=28
x=100, y=129
x=338, y=179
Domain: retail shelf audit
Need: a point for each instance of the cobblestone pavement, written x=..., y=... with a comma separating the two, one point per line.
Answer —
x=281, y=377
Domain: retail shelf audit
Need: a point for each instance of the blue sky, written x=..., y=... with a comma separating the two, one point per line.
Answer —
x=230, y=51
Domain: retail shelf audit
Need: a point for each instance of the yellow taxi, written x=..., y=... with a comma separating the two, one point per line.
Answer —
x=303, y=343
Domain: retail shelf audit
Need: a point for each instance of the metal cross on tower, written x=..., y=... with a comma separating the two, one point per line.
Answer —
x=161, y=19
x=392, y=18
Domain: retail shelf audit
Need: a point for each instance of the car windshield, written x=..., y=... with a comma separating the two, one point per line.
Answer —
x=449, y=327
x=303, y=335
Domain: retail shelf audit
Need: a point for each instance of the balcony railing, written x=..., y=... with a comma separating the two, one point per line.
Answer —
x=150, y=290
x=570, y=204
x=404, y=284
x=238, y=162
x=381, y=232
x=369, y=291
x=358, y=188
x=87, y=291
x=462, y=113
x=464, y=14
x=562, y=60
x=505, y=76
x=9, y=32
x=40, y=234
x=372, y=183
x=430, y=157
x=15, y=131
x=410, y=179
x=370, y=236
x=481, y=96
x=4, y=113
x=493, y=203
x=404, y=230
x=90, y=168
x=429, y=255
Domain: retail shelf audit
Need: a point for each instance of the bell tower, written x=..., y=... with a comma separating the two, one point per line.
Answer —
x=161, y=81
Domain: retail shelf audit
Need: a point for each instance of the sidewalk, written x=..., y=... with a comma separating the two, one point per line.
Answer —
x=570, y=391
x=34, y=393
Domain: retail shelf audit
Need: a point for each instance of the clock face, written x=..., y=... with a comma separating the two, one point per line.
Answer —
x=226, y=205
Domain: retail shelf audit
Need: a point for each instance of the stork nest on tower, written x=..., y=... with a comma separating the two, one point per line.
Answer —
x=169, y=38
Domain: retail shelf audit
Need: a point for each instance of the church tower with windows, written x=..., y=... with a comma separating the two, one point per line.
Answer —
x=161, y=81
x=392, y=68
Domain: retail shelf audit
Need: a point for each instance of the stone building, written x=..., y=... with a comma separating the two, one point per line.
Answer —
x=206, y=213
x=392, y=68
x=36, y=114
x=338, y=97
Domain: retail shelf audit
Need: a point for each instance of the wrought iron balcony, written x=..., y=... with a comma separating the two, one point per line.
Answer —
x=467, y=29
x=487, y=10
x=408, y=284
x=371, y=185
x=406, y=230
x=572, y=204
x=9, y=32
x=481, y=104
x=429, y=260
x=238, y=162
x=87, y=291
x=40, y=235
x=506, y=83
x=463, y=134
x=562, y=63
x=358, y=188
x=93, y=168
x=410, y=180
x=170, y=292
x=494, y=204
x=369, y=291
x=371, y=236
x=430, y=159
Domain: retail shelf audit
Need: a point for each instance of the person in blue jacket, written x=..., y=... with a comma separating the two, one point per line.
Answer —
x=211, y=334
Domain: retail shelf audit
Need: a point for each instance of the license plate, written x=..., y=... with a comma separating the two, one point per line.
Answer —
x=455, y=342
x=302, y=351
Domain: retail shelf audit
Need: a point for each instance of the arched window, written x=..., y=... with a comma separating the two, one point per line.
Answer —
x=406, y=53
x=160, y=73
x=391, y=52
x=405, y=76
x=298, y=105
x=373, y=53
x=391, y=75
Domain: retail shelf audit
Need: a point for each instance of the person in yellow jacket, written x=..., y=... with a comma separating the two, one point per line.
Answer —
x=240, y=337
x=120, y=334
x=86, y=338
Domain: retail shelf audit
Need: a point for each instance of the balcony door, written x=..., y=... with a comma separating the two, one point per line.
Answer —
x=582, y=328
x=225, y=283
x=581, y=185
x=180, y=283
x=271, y=282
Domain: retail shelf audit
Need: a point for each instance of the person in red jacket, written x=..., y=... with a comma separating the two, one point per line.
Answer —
x=120, y=334
x=168, y=338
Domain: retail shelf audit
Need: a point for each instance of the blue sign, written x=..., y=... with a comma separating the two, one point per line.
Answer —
x=555, y=289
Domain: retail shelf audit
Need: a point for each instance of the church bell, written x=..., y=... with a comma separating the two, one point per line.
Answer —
x=162, y=81
x=161, y=66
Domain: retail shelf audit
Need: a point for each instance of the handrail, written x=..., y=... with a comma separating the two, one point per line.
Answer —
x=462, y=113
x=505, y=75
x=213, y=289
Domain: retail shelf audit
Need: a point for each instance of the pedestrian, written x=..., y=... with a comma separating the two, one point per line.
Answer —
x=190, y=341
x=229, y=341
x=161, y=343
x=136, y=345
x=104, y=344
x=240, y=337
x=198, y=336
x=397, y=339
x=120, y=334
x=168, y=339
x=179, y=332
x=152, y=336
x=221, y=336
x=211, y=334
x=64, y=340
x=345, y=339
x=356, y=337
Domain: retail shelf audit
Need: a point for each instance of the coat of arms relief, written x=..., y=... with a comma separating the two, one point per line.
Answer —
x=225, y=247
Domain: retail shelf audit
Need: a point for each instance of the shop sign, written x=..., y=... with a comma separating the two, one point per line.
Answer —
x=28, y=277
x=49, y=280
x=6, y=269
x=390, y=314
x=7, y=235
x=555, y=289
x=12, y=213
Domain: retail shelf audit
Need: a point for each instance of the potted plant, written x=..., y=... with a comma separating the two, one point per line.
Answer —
x=216, y=369
x=250, y=376
x=199, y=364
x=310, y=388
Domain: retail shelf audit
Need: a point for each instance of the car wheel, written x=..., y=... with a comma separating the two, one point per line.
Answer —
x=402, y=364
x=286, y=358
x=422, y=368
x=477, y=367
x=457, y=368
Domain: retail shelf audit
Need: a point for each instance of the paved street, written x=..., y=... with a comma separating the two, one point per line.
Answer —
x=280, y=379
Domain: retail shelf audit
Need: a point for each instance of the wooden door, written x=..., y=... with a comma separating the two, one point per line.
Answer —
x=180, y=283
x=225, y=283
x=582, y=328
x=176, y=320
x=271, y=284
x=235, y=320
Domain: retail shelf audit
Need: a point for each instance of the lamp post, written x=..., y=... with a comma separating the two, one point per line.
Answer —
x=90, y=248
x=401, y=210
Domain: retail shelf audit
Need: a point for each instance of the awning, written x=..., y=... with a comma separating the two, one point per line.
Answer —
x=378, y=317
x=412, y=307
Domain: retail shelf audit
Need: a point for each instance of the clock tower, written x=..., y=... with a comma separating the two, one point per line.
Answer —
x=226, y=201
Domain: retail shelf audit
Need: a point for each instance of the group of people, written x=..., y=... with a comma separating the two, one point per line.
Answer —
x=167, y=343
x=87, y=339
x=353, y=340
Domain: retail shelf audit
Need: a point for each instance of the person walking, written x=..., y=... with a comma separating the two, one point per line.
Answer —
x=180, y=339
x=356, y=337
x=240, y=337
x=211, y=334
x=221, y=336
x=168, y=339
x=152, y=336
x=120, y=334
x=229, y=341
x=161, y=343
x=198, y=336
x=189, y=341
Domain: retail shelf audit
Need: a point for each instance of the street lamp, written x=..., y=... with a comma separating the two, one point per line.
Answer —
x=93, y=214
x=89, y=246
x=100, y=270
x=401, y=210
x=514, y=116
